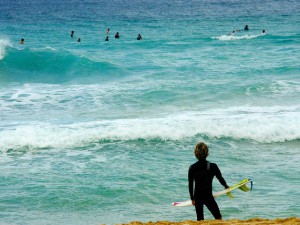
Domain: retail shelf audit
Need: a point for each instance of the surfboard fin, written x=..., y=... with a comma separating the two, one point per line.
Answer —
x=229, y=195
x=244, y=188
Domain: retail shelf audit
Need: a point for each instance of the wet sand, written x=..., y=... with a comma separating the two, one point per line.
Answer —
x=255, y=221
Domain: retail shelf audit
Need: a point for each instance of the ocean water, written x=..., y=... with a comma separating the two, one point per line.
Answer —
x=103, y=132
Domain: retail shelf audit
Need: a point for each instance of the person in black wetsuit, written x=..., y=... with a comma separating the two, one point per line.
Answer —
x=200, y=176
x=139, y=37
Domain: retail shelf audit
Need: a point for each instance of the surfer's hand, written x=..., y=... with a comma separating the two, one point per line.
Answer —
x=193, y=202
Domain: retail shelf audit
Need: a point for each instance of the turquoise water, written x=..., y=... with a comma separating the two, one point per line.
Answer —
x=103, y=132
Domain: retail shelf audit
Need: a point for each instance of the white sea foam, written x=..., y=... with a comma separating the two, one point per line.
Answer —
x=237, y=37
x=49, y=48
x=4, y=43
x=264, y=125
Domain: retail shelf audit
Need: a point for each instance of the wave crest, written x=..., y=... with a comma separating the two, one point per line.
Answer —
x=235, y=37
x=48, y=65
x=4, y=44
x=261, y=125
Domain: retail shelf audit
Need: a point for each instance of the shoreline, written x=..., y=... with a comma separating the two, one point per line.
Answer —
x=253, y=221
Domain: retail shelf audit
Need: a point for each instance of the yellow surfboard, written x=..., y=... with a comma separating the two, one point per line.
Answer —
x=241, y=185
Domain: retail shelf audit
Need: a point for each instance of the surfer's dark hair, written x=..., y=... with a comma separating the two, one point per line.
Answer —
x=201, y=150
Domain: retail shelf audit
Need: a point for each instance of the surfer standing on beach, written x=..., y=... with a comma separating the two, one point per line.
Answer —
x=200, y=176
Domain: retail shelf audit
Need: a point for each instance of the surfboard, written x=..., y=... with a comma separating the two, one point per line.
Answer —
x=240, y=185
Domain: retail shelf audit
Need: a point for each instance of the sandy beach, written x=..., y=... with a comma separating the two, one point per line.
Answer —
x=254, y=221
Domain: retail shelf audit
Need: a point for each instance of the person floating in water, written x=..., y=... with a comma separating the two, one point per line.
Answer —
x=22, y=41
x=232, y=33
x=72, y=33
x=246, y=27
x=117, y=35
x=78, y=40
x=200, y=177
x=139, y=37
x=106, y=39
x=263, y=32
x=107, y=31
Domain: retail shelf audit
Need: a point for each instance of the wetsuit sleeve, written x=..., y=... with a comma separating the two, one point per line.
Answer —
x=220, y=177
x=191, y=183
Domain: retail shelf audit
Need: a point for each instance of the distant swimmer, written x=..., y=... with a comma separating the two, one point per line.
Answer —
x=107, y=31
x=78, y=40
x=106, y=39
x=22, y=41
x=263, y=32
x=117, y=35
x=246, y=27
x=139, y=37
x=72, y=33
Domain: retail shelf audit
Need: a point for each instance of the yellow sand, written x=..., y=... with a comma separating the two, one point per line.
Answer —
x=255, y=221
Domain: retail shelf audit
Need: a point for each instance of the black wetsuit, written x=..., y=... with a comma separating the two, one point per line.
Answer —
x=202, y=173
